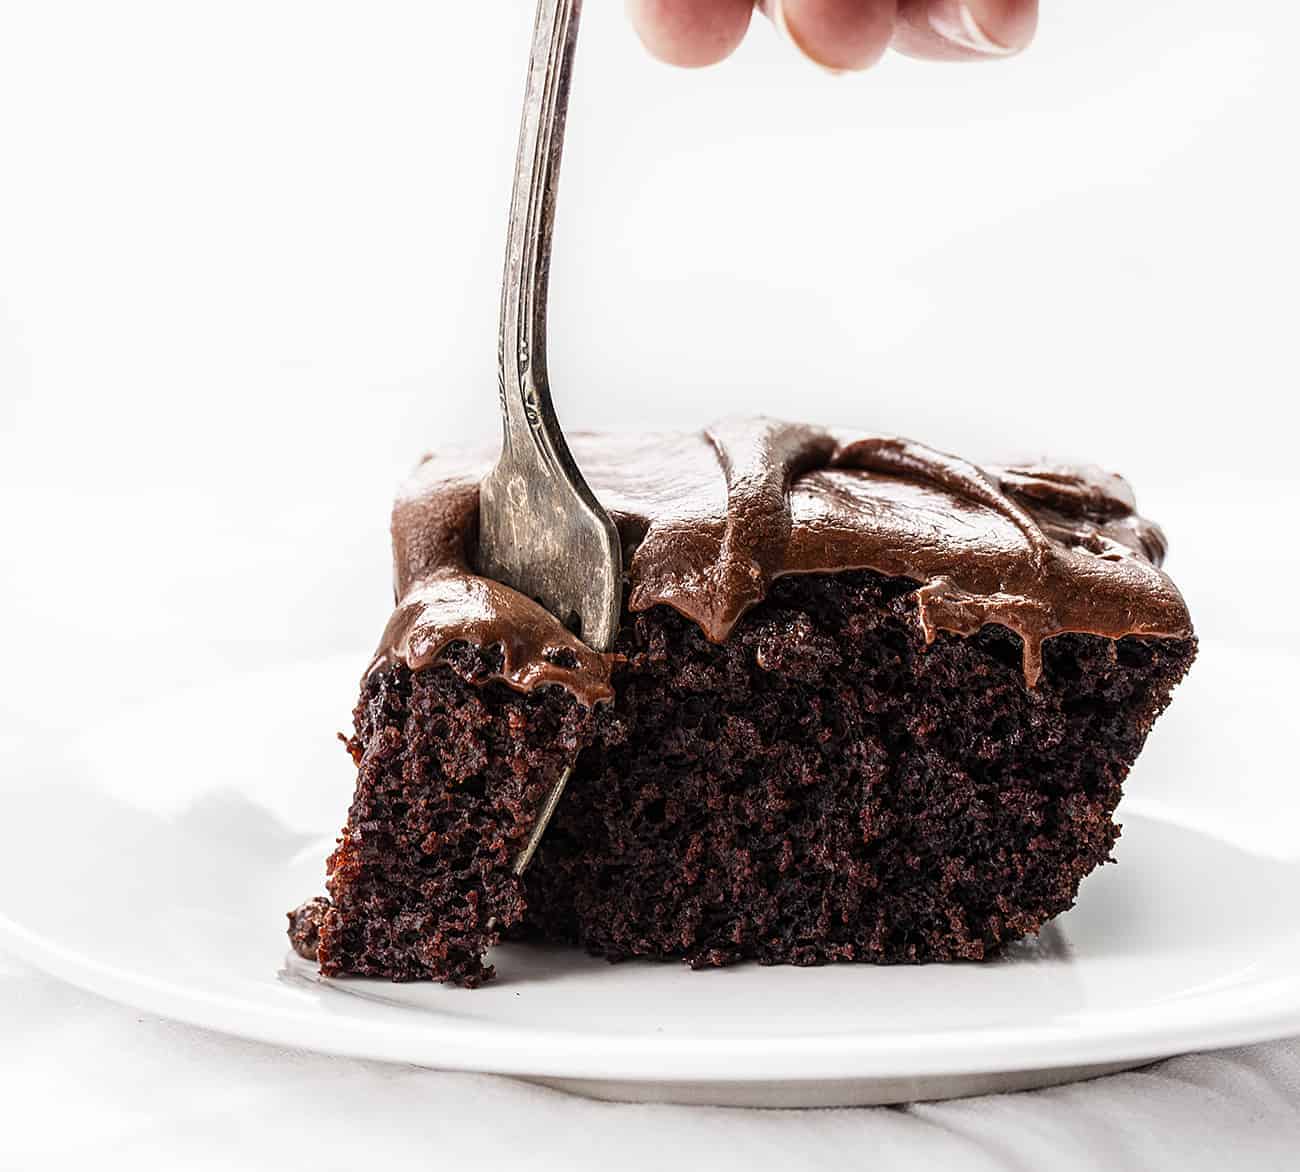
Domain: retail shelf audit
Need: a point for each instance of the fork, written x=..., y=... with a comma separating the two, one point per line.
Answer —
x=541, y=529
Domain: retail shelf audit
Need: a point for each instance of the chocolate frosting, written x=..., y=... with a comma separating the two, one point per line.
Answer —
x=710, y=519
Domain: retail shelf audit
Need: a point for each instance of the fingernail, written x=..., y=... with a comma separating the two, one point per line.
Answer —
x=957, y=21
x=776, y=10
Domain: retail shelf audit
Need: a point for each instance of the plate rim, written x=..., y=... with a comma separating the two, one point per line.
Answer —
x=1128, y=1035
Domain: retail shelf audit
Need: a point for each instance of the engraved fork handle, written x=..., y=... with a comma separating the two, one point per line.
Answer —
x=525, y=388
x=537, y=510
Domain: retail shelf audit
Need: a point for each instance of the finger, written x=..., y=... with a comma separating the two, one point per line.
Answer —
x=839, y=34
x=955, y=29
x=691, y=32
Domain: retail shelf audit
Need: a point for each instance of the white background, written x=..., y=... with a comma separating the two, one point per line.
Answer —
x=249, y=256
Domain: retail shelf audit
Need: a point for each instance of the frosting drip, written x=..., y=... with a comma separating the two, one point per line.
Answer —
x=712, y=519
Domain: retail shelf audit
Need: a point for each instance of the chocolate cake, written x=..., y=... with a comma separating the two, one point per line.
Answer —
x=869, y=702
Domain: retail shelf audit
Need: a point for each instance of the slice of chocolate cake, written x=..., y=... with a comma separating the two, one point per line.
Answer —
x=869, y=702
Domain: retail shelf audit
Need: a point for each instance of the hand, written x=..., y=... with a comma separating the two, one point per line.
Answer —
x=838, y=34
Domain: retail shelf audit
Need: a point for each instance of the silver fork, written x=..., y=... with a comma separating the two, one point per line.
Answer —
x=541, y=529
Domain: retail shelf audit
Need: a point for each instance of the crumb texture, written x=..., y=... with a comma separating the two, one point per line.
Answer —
x=822, y=786
x=451, y=773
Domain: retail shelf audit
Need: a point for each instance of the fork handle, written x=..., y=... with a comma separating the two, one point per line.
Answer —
x=526, y=405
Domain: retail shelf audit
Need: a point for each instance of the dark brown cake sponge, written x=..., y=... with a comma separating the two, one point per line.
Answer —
x=451, y=774
x=821, y=786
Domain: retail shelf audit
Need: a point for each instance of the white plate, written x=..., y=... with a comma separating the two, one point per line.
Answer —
x=155, y=861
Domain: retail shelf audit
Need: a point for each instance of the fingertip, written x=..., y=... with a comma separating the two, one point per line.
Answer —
x=691, y=33
x=837, y=34
x=966, y=28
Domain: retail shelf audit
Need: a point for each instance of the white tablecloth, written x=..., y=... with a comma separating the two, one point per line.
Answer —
x=84, y=1082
